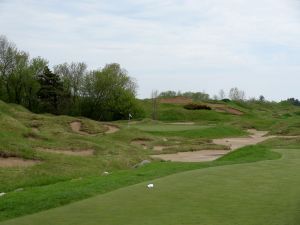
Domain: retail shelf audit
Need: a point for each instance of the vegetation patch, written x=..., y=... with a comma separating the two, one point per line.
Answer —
x=194, y=106
x=141, y=141
x=33, y=135
x=250, y=154
x=6, y=154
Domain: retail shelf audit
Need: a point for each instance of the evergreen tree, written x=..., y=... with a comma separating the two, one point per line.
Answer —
x=51, y=91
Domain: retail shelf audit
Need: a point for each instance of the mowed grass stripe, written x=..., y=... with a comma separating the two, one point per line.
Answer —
x=169, y=127
x=259, y=193
x=219, y=131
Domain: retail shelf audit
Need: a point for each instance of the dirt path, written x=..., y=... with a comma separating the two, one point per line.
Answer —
x=210, y=155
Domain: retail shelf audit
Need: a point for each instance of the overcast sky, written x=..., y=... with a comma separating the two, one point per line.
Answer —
x=187, y=45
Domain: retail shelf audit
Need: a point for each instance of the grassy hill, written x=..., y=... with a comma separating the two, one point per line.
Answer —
x=279, y=118
x=25, y=135
x=48, y=164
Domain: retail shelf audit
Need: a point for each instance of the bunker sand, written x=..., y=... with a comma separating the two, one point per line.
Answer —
x=210, y=155
x=76, y=127
x=111, y=129
x=16, y=162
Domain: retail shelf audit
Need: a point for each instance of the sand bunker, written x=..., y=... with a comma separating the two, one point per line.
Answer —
x=182, y=123
x=159, y=148
x=76, y=127
x=16, y=162
x=111, y=129
x=197, y=156
x=162, y=147
x=81, y=152
x=235, y=143
x=210, y=155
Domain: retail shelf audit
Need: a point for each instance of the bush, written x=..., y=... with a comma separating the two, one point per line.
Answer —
x=226, y=100
x=193, y=106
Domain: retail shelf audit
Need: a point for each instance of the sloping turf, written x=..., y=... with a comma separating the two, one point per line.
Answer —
x=261, y=193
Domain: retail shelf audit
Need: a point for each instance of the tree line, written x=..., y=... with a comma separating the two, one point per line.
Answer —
x=234, y=94
x=108, y=93
x=196, y=96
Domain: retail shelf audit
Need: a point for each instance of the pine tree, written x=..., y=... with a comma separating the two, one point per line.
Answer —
x=50, y=92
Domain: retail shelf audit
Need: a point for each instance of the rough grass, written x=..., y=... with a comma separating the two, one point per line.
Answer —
x=22, y=133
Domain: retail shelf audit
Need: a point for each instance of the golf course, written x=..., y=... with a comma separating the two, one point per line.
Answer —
x=206, y=167
x=129, y=112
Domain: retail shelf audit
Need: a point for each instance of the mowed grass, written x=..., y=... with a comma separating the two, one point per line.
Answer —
x=218, y=131
x=258, y=193
x=165, y=127
x=35, y=199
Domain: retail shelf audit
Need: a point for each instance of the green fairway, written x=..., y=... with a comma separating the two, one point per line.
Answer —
x=219, y=131
x=168, y=127
x=259, y=193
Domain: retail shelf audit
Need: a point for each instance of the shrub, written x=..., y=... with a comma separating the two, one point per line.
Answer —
x=226, y=100
x=193, y=106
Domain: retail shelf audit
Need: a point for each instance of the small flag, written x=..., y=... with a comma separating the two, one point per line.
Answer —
x=130, y=116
